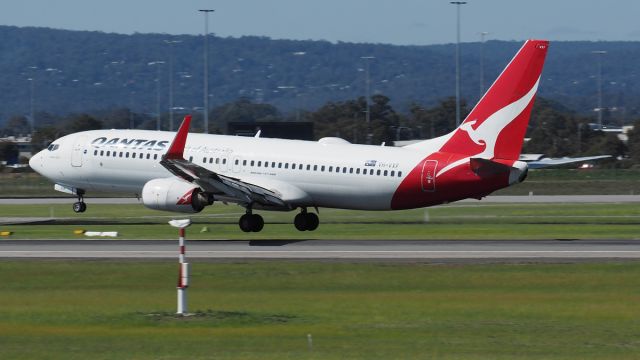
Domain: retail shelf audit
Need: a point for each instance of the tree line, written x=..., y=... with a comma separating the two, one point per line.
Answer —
x=553, y=130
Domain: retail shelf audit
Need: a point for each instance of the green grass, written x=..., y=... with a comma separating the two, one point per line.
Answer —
x=264, y=310
x=455, y=221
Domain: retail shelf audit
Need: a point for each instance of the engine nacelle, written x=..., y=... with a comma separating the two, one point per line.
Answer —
x=174, y=194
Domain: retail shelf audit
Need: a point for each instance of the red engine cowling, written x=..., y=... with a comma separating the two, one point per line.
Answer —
x=174, y=194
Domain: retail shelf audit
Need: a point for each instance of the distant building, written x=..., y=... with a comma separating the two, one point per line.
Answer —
x=273, y=129
x=24, y=146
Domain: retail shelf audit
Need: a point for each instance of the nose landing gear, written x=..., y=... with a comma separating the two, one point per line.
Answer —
x=306, y=221
x=80, y=206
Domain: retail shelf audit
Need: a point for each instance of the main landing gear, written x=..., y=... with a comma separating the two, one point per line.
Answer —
x=306, y=221
x=250, y=222
x=80, y=206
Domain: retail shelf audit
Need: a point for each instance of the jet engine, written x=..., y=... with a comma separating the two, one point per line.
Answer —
x=174, y=194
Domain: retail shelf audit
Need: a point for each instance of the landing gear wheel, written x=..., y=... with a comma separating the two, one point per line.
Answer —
x=251, y=223
x=79, y=207
x=306, y=221
x=312, y=221
x=257, y=223
x=300, y=222
x=245, y=222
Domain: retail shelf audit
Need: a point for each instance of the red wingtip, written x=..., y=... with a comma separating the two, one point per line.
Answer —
x=176, y=150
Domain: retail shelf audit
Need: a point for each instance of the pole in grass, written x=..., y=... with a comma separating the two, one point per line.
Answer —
x=183, y=270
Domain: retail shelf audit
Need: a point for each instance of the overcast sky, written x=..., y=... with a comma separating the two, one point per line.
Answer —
x=401, y=22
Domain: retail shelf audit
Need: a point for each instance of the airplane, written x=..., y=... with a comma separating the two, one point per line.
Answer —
x=186, y=172
x=539, y=161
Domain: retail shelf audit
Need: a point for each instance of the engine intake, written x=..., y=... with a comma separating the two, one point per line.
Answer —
x=176, y=195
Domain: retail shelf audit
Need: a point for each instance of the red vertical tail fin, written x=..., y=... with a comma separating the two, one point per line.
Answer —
x=496, y=126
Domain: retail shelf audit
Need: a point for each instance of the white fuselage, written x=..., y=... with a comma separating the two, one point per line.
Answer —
x=124, y=160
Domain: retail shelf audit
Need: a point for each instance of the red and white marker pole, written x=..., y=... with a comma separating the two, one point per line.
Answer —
x=183, y=270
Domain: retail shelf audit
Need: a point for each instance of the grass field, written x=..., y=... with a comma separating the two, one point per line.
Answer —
x=454, y=221
x=538, y=182
x=265, y=310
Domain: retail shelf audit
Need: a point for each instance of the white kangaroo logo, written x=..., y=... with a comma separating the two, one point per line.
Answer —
x=487, y=133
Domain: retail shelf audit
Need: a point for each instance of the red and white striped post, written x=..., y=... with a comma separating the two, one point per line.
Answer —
x=183, y=270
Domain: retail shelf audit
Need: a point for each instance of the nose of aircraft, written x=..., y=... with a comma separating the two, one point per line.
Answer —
x=35, y=160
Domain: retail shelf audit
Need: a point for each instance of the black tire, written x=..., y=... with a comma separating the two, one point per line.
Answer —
x=78, y=208
x=245, y=223
x=257, y=223
x=83, y=207
x=312, y=221
x=300, y=222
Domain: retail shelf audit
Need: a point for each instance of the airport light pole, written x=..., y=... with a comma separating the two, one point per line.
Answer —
x=367, y=60
x=171, y=43
x=482, y=35
x=599, y=54
x=458, y=3
x=206, y=68
x=157, y=65
x=32, y=121
x=299, y=55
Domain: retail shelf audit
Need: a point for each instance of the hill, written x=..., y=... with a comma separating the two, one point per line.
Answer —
x=76, y=71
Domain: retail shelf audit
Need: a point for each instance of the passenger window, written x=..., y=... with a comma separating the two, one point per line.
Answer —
x=121, y=154
x=357, y=170
x=330, y=168
x=344, y=170
x=252, y=162
x=385, y=173
x=279, y=165
x=286, y=165
x=155, y=156
x=217, y=161
x=148, y=156
x=244, y=162
x=315, y=167
x=393, y=173
x=308, y=167
x=350, y=170
x=126, y=154
x=364, y=171
x=108, y=153
x=190, y=158
x=210, y=160
x=95, y=152
x=378, y=172
x=101, y=152
x=237, y=162
x=273, y=164
x=399, y=173
x=224, y=161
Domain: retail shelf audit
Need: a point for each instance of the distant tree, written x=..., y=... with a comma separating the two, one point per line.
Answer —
x=241, y=110
x=82, y=122
x=634, y=143
x=436, y=121
x=16, y=126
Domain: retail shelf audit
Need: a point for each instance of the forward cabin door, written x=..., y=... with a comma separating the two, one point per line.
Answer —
x=78, y=150
x=429, y=175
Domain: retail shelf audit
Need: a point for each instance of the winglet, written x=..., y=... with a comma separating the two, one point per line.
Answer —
x=176, y=150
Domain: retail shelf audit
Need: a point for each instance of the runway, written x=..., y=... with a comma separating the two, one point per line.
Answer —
x=320, y=249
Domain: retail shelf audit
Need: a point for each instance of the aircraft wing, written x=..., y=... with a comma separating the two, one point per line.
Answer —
x=224, y=186
x=547, y=162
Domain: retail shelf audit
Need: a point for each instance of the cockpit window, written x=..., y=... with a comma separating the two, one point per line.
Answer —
x=53, y=147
